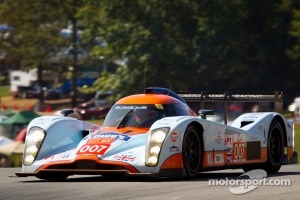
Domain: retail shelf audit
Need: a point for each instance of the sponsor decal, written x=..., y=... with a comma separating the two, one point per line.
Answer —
x=229, y=155
x=107, y=140
x=58, y=157
x=174, y=137
x=228, y=141
x=240, y=138
x=125, y=158
x=115, y=136
x=174, y=149
x=239, y=153
x=47, y=118
x=229, y=151
x=159, y=106
x=181, y=118
x=229, y=159
x=260, y=128
x=131, y=107
x=219, y=138
x=265, y=137
x=219, y=158
x=215, y=158
x=90, y=149
x=251, y=116
x=56, y=118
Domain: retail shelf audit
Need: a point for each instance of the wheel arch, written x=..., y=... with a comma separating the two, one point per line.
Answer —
x=282, y=124
x=200, y=132
x=192, y=164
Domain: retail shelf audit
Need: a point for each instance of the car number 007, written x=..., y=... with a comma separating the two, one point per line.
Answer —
x=95, y=148
x=239, y=150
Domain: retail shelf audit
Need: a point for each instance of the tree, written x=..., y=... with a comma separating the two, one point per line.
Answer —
x=185, y=45
x=293, y=50
x=194, y=45
x=35, y=36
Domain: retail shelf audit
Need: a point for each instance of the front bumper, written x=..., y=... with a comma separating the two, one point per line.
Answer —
x=70, y=172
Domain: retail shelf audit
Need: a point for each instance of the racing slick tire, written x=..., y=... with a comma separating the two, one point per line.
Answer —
x=192, y=151
x=275, y=148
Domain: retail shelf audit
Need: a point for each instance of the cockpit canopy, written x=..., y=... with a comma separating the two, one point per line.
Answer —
x=143, y=115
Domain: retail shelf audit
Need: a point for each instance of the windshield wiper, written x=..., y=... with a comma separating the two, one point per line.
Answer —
x=125, y=119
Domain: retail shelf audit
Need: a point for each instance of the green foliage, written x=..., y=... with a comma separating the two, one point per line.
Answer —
x=185, y=45
x=2, y=79
x=195, y=45
x=4, y=91
x=35, y=32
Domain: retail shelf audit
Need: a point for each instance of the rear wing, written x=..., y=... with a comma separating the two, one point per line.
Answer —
x=276, y=98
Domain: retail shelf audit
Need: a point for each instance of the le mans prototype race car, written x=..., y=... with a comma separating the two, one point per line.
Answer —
x=157, y=134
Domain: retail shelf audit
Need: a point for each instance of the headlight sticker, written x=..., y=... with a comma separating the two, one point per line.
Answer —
x=174, y=137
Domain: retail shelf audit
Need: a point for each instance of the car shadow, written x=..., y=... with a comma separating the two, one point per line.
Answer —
x=201, y=177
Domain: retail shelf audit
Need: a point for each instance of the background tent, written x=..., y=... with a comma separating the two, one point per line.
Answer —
x=12, y=126
x=12, y=148
x=14, y=152
x=5, y=140
x=8, y=113
x=5, y=114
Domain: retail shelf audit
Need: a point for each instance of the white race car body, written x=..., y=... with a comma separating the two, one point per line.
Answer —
x=71, y=146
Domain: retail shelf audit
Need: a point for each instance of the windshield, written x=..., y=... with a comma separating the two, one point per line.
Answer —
x=62, y=137
x=141, y=115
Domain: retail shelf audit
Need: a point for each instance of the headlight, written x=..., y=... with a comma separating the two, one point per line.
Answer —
x=34, y=139
x=156, y=139
x=152, y=161
x=158, y=136
x=155, y=150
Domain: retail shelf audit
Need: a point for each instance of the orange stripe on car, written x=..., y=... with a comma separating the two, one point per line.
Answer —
x=174, y=161
x=122, y=165
x=147, y=99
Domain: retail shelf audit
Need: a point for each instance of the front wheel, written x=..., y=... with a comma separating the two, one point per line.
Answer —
x=192, y=151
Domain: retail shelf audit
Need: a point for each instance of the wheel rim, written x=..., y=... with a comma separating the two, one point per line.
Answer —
x=191, y=152
x=276, y=146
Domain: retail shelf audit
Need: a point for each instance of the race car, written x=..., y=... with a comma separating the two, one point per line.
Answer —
x=157, y=134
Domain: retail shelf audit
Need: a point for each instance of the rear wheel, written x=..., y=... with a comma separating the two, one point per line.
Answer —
x=275, y=148
x=192, y=151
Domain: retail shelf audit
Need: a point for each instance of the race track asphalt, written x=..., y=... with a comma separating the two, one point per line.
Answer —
x=287, y=186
